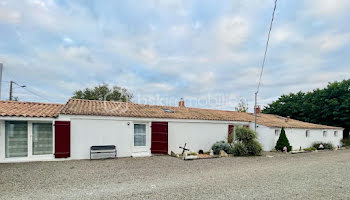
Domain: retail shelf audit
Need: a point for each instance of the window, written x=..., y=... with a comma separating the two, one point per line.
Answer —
x=42, y=138
x=277, y=132
x=335, y=133
x=139, y=134
x=16, y=139
x=324, y=133
x=307, y=133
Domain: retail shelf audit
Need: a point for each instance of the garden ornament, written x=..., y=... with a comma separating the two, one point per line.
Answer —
x=285, y=149
x=184, y=149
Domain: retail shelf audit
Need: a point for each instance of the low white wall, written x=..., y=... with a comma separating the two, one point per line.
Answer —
x=87, y=133
x=297, y=137
x=197, y=135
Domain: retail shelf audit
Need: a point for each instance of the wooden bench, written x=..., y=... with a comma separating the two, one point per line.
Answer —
x=104, y=149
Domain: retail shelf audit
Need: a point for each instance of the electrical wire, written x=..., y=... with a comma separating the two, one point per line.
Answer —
x=36, y=94
x=25, y=88
x=266, y=47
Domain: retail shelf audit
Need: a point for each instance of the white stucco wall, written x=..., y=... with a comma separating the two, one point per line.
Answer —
x=87, y=131
x=197, y=135
x=90, y=132
x=297, y=137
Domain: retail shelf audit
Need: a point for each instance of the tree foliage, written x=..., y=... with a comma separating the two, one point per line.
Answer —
x=242, y=106
x=328, y=106
x=104, y=92
x=283, y=142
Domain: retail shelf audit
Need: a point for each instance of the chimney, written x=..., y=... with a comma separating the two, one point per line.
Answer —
x=181, y=103
x=257, y=109
x=287, y=119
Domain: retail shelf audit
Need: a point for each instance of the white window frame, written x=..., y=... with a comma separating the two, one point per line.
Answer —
x=32, y=138
x=277, y=132
x=335, y=133
x=145, y=124
x=324, y=133
x=30, y=155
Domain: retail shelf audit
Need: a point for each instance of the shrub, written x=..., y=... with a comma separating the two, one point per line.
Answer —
x=247, y=144
x=244, y=134
x=310, y=149
x=253, y=147
x=239, y=150
x=325, y=145
x=345, y=142
x=283, y=142
x=221, y=145
x=230, y=138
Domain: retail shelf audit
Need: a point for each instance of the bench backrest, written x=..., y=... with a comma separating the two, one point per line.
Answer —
x=104, y=147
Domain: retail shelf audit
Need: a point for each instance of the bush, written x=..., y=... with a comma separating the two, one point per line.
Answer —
x=310, y=149
x=247, y=144
x=239, y=150
x=254, y=148
x=345, y=142
x=244, y=134
x=221, y=145
x=325, y=145
x=283, y=142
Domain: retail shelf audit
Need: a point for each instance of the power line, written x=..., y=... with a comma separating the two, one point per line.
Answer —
x=20, y=84
x=266, y=46
x=263, y=63
x=36, y=94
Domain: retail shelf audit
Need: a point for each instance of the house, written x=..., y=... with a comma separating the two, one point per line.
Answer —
x=40, y=131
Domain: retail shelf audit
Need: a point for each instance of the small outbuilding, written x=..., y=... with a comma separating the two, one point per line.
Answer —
x=40, y=131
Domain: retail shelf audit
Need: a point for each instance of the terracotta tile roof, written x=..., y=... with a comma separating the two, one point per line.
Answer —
x=28, y=109
x=120, y=109
x=278, y=121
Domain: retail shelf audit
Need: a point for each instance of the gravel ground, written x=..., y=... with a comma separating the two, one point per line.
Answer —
x=321, y=175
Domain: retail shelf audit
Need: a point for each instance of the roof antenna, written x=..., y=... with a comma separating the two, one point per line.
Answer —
x=263, y=63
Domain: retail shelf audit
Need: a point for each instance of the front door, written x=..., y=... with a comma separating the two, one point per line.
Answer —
x=159, y=138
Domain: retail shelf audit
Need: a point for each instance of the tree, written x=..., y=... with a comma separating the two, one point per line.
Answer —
x=103, y=92
x=283, y=142
x=328, y=106
x=242, y=106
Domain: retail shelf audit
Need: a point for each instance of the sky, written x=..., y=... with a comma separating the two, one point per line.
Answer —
x=207, y=52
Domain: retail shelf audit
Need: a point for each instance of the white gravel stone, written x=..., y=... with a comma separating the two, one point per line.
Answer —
x=322, y=175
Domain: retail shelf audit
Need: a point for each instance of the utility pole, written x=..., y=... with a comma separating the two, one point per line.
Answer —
x=11, y=83
x=11, y=88
x=0, y=78
x=255, y=106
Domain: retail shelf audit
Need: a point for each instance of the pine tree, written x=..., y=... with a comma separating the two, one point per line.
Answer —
x=283, y=142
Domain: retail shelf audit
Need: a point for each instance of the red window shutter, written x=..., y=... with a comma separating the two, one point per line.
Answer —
x=246, y=126
x=62, y=139
x=230, y=129
x=230, y=132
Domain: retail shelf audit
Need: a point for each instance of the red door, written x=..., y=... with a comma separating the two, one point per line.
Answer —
x=159, y=138
x=62, y=139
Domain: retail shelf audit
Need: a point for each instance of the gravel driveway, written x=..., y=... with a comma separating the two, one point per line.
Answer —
x=321, y=175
